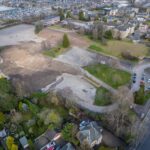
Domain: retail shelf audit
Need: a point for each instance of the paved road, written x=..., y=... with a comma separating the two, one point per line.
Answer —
x=145, y=134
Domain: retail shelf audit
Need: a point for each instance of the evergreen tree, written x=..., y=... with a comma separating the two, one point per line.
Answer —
x=66, y=42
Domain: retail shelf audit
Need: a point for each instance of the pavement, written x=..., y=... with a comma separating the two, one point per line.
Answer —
x=19, y=33
x=139, y=70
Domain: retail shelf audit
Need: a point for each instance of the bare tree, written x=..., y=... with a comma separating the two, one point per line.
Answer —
x=119, y=119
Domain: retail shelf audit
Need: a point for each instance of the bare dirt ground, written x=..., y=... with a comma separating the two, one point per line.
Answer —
x=55, y=37
x=27, y=66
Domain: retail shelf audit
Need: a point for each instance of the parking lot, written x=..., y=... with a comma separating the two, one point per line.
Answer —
x=19, y=33
x=141, y=75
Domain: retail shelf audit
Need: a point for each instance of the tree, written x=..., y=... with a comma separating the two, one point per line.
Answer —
x=61, y=14
x=68, y=14
x=14, y=147
x=9, y=142
x=2, y=118
x=69, y=133
x=38, y=27
x=140, y=96
x=54, y=118
x=7, y=98
x=108, y=34
x=120, y=119
x=66, y=42
x=81, y=16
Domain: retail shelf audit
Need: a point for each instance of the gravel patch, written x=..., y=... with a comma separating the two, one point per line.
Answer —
x=19, y=33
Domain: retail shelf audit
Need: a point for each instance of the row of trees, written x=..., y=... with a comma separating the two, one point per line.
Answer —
x=97, y=32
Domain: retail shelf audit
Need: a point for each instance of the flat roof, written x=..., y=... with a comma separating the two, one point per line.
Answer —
x=5, y=8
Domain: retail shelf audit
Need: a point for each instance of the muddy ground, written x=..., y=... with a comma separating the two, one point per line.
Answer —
x=29, y=68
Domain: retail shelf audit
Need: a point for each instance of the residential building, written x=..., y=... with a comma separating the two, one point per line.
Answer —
x=91, y=133
x=24, y=143
x=68, y=146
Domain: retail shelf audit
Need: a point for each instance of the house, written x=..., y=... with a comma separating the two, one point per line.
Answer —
x=68, y=146
x=44, y=139
x=48, y=141
x=123, y=31
x=3, y=134
x=143, y=28
x=91, y=133
x=24, y=142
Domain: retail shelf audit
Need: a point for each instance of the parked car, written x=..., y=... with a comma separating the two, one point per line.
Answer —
x=134, y=78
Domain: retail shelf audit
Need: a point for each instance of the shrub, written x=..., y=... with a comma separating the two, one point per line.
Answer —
x=140, y=97
x=2, y=118
x=38, y=27
x=128, y=56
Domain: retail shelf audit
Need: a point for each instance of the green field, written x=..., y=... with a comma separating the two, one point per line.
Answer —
x=115, y=48
x=102, y=97
x=113, y=77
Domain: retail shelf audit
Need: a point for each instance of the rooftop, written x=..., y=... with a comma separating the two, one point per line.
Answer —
x=4, y=8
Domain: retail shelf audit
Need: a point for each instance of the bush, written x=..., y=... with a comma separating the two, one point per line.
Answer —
x=140, y=97
x=38, y=27
x=128, y=56
x=2, y=118
x=108, y=34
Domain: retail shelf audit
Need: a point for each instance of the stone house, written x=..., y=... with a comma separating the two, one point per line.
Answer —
x=91, y=133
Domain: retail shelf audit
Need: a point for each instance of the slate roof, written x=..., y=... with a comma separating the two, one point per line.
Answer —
x=44, y=139
x=24, y=142
x=68, y=146
x=91, y=132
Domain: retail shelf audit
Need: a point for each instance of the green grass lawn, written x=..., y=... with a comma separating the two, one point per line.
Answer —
x=54, y=52
x=57, y=27
x=113, y=77
x=102, y=97
x=116, y=47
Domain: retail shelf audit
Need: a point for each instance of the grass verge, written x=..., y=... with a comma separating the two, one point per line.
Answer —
x=113, y=77
x=102, y=97
x=55, y=51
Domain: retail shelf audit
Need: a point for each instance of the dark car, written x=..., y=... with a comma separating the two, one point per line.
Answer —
x=134, y=78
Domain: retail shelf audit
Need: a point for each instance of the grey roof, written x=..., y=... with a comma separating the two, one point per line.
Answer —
x=3, y=133
x=44, y=139
x=91, y=132
x=68, y=146
x=23, y=141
